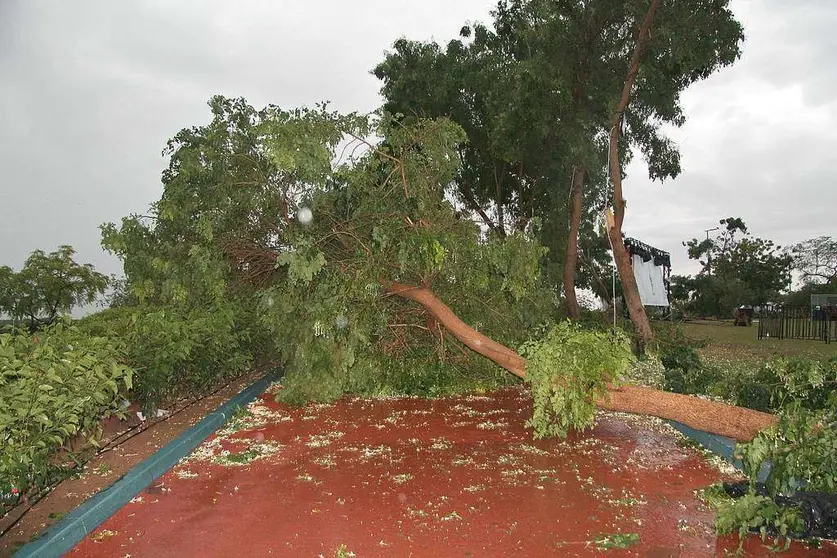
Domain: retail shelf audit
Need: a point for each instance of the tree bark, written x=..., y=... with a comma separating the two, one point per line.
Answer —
x=615, y=220
x=727, y=420
x=629, y=287
x=473, y=339
x=498, y=198
x=571, y=260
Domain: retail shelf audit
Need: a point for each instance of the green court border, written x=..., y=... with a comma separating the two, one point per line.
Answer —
x=73, y=527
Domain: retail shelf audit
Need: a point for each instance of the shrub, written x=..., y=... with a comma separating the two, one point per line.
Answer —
x=54, y=385
x=178, y=350
x=684, y=371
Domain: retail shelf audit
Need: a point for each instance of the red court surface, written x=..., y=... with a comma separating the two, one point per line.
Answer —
x=459, y=476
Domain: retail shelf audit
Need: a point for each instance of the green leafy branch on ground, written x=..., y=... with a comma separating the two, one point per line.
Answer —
x=568, y=369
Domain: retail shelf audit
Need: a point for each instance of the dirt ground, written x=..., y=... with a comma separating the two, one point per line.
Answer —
x=106, y=468
x=458, y=476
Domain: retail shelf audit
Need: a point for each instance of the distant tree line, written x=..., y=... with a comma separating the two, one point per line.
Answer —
x=738, y=269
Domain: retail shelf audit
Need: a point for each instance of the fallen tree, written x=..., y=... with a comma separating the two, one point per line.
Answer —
x=318, y=259
x=727, y=420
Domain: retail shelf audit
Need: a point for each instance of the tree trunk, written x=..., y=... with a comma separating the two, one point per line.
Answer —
x=614, y=225
x=629, y=287
x=727, y=420
x=571, y=261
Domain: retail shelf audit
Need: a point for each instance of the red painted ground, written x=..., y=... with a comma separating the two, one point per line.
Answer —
x=411, y=477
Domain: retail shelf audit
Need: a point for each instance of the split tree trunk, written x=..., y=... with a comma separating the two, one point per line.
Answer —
x=727, y=420
x=614, y=225
x=571, y=261
x=629, y=287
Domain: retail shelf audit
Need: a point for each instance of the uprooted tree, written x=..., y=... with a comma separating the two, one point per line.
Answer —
x=352, y=297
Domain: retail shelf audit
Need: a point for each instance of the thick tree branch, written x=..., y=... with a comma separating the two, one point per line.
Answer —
x=468, y=194
x=625, y=98
x=719, y=418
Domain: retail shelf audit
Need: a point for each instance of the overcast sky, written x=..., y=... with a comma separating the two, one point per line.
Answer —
x=91, y=90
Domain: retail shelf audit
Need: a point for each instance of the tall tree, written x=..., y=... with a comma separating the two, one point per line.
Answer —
x=816, y=260
x=538, y=91
x=47, y=285
x=737, y=269
x=617, y=218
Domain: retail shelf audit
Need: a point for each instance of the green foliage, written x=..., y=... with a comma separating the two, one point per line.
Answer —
x=684, y=371
x=808, y=383
x=568, y=369
x=304, y=263
x=54, y=385
x=752, y=512
x=535, y=93
x=175, y=350
x=737, y=269
x=224, y=272
x=801, y=448
x=616, y=541
x=766, y=386
x=47, y=285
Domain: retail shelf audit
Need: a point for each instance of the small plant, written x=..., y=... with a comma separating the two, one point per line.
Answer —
x=343, y=551
x=616, y=540
x=243, y=457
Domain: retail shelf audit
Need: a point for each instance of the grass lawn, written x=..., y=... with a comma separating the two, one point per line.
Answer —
x=728, y=342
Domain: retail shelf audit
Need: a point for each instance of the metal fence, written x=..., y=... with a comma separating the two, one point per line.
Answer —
x=798, y=322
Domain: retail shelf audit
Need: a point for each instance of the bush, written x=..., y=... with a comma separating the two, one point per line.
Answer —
x=54, y=385
x=767, y=387
x=755, y=390
x=775, y=384
x=684, y=371
x=802, y=447
x=177, y=351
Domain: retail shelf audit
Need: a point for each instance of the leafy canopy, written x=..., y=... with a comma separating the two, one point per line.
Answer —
x=535, y=93
x=48, y=285
x=737, y=269
x=225, y=238
x=816, y=260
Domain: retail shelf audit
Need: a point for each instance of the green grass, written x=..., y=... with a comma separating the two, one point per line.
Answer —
x=728, y=342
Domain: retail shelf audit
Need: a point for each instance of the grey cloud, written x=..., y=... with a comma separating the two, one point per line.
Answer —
x=90, y=92
x=758, y=142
